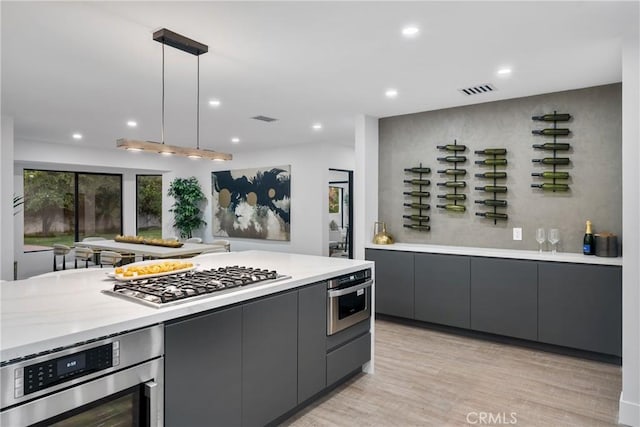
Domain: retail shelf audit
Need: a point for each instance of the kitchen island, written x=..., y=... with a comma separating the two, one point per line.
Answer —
x=63, y=309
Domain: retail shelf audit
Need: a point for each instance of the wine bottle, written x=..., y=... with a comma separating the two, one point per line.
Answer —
x=418, y=181
x=560, y=146
x=490, y=162
x=418, y=170
x=452, y=208
x=495, y=175
x=417, y=193
x=416, y=217
x=418, y=206
x=552, y=117
x=420, y=227
x=453, y=159
x=493, y=215
x=553, y=160
x=588, y=243
x=492, y=202
x=492, y=151
x=552, y=175
x=456, y=184
x=493, y=188
x=451, y=196
x=551, y=131
x=458, y=172
x=551, y=187
x=452, y=147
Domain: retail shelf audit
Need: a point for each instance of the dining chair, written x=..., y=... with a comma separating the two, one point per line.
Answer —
x=60, y=250
x=83, y=254
x=193, y=240
x=96, y=252
x=225, y=243
x=110, y=258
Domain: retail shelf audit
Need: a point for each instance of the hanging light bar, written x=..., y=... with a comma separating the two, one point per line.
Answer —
x=169, y=38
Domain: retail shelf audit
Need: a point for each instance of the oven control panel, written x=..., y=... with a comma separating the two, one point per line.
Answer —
x=39, y=376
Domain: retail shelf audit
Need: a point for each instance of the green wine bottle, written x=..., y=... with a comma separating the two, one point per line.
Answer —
x=552, y=161
x=452, y=184
x=417, y=193
x=458, y=172
x=418, y=170
x=492, y=202
x=453, y=159
x=418, y=181
x=419, y=227
x=559, y=146
x=551, y=187
x=422, y=206
x=452, y=147
x=493, y=188
x=552, y=175
x=492, y=151
x=493, y=215
x=451, y=196
x=495, y=175
x=491, y=162
x=416, y=217
x=552, y=117
x=551, y=131
x=452, y=208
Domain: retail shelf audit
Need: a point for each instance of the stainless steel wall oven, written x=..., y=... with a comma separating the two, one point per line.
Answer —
x=348, y=300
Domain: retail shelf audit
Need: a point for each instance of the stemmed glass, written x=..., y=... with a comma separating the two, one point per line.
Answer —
x=541, y=237
x=554, y=238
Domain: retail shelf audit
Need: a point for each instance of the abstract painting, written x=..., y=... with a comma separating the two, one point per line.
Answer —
x=252, y=203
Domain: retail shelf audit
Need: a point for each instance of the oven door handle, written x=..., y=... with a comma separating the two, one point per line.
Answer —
x=151, y=393
x=340, y=292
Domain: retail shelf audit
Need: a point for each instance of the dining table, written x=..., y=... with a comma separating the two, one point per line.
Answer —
x=147, y=250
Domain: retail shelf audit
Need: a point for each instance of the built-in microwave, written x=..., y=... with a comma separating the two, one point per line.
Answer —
x=348, y=300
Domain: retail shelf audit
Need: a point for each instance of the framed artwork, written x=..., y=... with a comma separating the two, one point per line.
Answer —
x=335, y=199
x=252, y=203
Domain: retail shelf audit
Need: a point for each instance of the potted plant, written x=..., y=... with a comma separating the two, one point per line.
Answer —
x=187, y=214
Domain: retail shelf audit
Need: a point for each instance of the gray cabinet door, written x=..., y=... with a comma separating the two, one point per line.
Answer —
x=202, y=370
x=394, y=282
x=580, y=306
x=504, y=297
x=269, y=358
x=442, y=289
x=312, y=338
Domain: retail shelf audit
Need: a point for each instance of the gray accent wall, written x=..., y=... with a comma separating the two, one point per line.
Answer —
x=595, y=169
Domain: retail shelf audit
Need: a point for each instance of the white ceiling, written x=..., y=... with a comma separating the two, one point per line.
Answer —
x=91, y=66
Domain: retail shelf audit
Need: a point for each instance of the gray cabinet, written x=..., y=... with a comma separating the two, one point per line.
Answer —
x=442, y=289
x=394, y=282
x=203, y=370
x=504, y=297
x=348, y=358
x=312, y=338
x=269, y=358
x=580, y=306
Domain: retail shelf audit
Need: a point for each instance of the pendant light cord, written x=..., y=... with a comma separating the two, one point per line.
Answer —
x=198, y=107
x=163, y=93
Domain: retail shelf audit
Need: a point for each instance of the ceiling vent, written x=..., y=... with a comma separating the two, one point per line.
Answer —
x=478, y=90
x=264, y=119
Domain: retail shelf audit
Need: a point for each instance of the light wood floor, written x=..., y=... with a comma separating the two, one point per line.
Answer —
x=429, y=378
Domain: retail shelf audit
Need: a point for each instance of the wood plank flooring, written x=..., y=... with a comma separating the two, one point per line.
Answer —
x=430, y=378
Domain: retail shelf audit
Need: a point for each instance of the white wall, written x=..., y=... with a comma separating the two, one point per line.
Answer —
x=6, y=191
x=365, y=212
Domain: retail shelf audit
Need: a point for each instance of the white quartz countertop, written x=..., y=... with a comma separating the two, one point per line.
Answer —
x=499, y=253
x=63, y=308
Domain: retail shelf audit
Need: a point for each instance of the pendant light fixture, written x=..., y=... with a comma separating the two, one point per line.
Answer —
x=193, y=47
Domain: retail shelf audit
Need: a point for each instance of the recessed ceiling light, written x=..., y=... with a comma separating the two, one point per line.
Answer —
x=77, y=136
x=214, y=102
x=317, y=126
x=235, y=140
x=132, y=123
x=166, y=153
x=194, y=156
x=391, y=93
x=410, y=31
x=504, y=71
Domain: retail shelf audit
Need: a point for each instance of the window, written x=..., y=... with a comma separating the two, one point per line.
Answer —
x=149, y=206
x=65, y=207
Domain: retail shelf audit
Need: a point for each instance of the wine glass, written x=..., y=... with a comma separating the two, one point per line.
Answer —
x=554, y=238
x=541, y=237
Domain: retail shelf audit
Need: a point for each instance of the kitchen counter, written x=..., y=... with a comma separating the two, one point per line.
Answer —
x=63, y=308
x=499, y=253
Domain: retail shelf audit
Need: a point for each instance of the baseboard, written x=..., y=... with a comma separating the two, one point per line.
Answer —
x=629, y=413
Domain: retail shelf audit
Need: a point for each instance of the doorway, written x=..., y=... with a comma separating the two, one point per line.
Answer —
x=341, y=213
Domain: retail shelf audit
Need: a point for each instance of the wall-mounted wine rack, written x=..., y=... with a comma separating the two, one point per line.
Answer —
x=554, y=175
x=457, y=173
x=419, y=182
x=493, y=157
